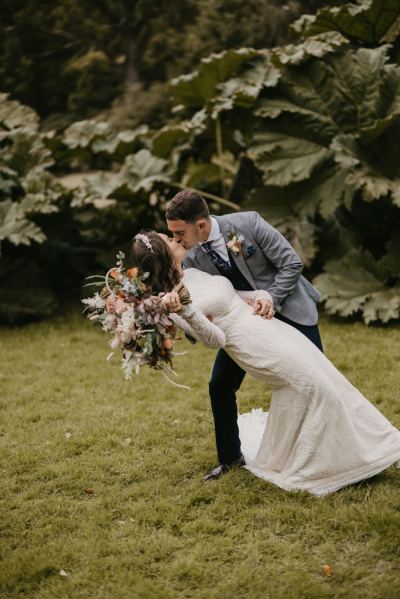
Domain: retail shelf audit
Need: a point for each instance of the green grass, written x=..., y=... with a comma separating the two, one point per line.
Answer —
x=152, y=528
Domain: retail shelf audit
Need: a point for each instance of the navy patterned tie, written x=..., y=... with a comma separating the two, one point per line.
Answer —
x=223, y=266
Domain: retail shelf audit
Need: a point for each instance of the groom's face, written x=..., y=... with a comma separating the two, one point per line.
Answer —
x=188, y=234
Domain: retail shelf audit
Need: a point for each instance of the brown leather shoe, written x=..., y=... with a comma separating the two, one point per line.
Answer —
x=223, y=469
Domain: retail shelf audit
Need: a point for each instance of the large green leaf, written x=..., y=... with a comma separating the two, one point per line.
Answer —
x=355, y=87
x=24, y=150
x=370, y=21
x=82, y=133
x=177, y=135
x=14, y=115
x=8, y=180
x=170, y=137
x=27, y=186
x=372, y=185
x=285, y=159
x=323, y=193
x=101, y=137
x=361, y=175
x=198, y=87
x=275, y=107
x=347, y=151
x=200, y=174
x=42, y=192
x=281, y=210
x=357, y=283
x=92, y=188
x=382, y=305
x=243, y=91
x=15, y=227
x=141, y=171
x=315, y=47
x=123, y=141
x=355, y=92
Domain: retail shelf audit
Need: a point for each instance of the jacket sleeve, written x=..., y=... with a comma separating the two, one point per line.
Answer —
x=196, y=325
x=278, y=251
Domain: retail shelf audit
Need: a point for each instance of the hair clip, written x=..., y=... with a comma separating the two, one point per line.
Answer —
x=145, y=240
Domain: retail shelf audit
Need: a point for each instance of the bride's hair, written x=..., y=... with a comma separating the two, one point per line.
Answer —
x=150, y=253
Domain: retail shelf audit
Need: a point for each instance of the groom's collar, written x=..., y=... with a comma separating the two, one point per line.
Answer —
x=215, y=231
x=223, y=227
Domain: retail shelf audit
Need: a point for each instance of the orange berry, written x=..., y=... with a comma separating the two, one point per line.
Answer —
x=132, y=272
x=168, y=343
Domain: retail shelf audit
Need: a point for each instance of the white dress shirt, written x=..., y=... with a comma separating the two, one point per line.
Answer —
x=218, y=242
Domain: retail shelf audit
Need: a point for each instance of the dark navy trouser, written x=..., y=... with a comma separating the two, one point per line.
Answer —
x=226, y=379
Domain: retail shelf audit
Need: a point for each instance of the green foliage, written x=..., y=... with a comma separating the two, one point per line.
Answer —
x=69, y=222
x=308, y=133
x=368, y=22
x=57, y=56
x=26, y=186
x=71, y=60
x=319, y=122
x=100, y=137
x=195, y=89
x=357, y=282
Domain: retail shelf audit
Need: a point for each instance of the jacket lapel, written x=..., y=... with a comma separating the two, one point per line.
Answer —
x=238, y=259
x=204, y=261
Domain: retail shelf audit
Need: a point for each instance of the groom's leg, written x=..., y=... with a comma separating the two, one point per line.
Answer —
x=226, y=379
x=311, y=332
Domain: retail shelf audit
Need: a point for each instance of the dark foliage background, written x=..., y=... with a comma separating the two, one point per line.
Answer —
x=110, y=108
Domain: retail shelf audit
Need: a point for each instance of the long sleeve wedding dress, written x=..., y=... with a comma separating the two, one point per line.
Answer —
x=321, y=433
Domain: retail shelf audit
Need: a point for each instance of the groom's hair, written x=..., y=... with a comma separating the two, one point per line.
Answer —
x=188, y=205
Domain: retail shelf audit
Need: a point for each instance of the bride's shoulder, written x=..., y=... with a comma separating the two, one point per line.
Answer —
x=193, y=269
x=195, y=273
x=205, y=279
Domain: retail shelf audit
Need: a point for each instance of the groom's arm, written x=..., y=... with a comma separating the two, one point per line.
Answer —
x=278, y=251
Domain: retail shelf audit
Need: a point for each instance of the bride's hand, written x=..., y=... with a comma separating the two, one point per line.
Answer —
x=249, y=301
x=264, y=308
x=172, y=302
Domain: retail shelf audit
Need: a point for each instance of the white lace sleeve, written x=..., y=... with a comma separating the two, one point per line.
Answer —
x=257, y=294
x=197, y=325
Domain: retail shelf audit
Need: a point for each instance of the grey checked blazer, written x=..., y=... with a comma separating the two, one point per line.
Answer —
x=269, y=262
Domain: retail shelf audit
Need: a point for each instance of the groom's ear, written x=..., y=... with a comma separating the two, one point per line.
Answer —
x=202, y=224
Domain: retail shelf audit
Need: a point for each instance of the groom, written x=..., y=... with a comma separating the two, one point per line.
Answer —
x=252, y=255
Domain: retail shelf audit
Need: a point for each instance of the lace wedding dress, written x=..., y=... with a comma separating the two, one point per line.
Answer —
x=321, y=433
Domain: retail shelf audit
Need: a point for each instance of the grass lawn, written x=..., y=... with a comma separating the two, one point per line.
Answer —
x=102, y=493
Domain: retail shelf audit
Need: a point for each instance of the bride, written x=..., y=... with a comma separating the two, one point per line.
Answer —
x=321, y=433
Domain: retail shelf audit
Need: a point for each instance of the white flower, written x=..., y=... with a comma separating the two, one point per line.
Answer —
x=114, y=343
x=109, y=322
x=235, y=243
x=94, y=302
x=128, y=364
x=127, y=329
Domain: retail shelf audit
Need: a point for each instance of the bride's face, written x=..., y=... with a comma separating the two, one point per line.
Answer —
x=177, y=249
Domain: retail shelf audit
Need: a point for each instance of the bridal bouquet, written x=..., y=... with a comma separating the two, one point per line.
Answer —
x=138, y=320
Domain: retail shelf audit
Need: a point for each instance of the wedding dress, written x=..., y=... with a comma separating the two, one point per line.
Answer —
x=321, y=433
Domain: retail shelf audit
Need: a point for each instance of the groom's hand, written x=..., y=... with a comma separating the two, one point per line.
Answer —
x=264, y=308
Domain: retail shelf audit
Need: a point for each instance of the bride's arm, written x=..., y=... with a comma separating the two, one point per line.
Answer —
x=252, y=296
x=197, y=325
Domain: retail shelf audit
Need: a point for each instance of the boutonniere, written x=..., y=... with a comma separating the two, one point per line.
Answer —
x=235, y=243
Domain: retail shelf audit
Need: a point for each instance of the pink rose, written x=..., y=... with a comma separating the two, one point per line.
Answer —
x=120, y=306
x=111, y=304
